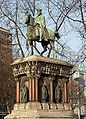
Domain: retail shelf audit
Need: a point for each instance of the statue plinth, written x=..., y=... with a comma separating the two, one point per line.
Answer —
x=41, y=88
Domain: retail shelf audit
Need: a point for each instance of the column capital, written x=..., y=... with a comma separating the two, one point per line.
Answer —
x=51, y=78
x=32, y=75
x=17, y=79
x=65, y=80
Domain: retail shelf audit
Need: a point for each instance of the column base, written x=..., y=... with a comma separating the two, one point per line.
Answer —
x=34, y=111
x=33, y=105
x=53, y=106
x=45, y=105
x=60, y=106
x=16, y=106
x=67, y=106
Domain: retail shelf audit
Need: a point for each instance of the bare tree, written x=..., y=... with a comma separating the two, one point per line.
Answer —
x=64, y=15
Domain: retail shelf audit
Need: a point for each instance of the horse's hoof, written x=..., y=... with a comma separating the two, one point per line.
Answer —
x=41, y=54
x=38, y=37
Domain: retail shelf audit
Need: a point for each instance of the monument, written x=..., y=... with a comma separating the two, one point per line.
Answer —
x=41, y=87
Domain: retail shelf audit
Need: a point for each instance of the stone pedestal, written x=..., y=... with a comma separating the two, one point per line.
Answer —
x=37, y=70
x=31, y=112
x=45, y=106
x=53, y=106
x=33, y=105
x=60, y=106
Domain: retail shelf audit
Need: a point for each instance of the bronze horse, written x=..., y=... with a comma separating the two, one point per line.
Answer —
x=48, y=37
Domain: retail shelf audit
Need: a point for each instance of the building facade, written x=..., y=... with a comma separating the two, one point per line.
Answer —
x=80, y=78
x=7, y=84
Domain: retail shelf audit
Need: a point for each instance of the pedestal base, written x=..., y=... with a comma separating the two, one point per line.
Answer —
x=27, y=111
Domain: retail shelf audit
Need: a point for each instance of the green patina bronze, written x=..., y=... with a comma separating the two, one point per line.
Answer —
x=58, y=94
x=44, y=92
x=23, y=93
x=40, y=24
x=37, y=31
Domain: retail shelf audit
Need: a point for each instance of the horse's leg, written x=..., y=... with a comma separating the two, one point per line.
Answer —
x=27, y=43
x=31, y=44
x=45, y=49
x=35, y=43
x=49, y=50
x=53, y=48
x=44, y=45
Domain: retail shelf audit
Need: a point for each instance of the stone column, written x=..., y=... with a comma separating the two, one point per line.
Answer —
x=30, y=89
x=65, y=92
x=52, y=104
x=51, y=90
x=17, y=91
x=36, y=89
x=33, y=89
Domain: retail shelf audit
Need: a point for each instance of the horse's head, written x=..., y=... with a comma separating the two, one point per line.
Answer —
x=27, y=18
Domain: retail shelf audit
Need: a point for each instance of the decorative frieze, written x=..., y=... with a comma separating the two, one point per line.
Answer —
x=41, y=67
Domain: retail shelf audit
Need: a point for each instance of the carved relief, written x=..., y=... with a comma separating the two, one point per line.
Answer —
x=58, y=91
x=43, y=89
x=40, y=67
x=23, y=90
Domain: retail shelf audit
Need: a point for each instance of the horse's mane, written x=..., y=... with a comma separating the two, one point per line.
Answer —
x=29, y=20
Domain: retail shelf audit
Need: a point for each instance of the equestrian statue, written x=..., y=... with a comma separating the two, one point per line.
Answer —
x=37, y=31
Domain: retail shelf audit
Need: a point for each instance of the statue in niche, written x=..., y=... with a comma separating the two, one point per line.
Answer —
x=44, y=92
x=23, y=92
x=58, y=93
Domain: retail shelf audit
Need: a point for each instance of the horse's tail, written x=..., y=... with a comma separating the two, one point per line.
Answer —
x=51, y=35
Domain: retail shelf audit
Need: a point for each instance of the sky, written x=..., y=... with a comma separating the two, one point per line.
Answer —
x=68, y=35
x=74, y=41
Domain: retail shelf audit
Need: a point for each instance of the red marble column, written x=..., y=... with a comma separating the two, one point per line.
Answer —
x=30, y=90
x=33, y=89
x=51, y=90
x=65, y=92
x=17, y=91
x=36, y=89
